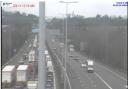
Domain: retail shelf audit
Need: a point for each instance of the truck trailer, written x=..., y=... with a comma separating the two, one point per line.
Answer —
x=22, y=75
x=32, y=56
x=8, y=75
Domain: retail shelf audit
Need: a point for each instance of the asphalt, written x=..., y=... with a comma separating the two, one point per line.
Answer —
x=24, y=49
x=102, y=78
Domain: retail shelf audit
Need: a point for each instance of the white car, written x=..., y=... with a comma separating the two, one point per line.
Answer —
x=83, y=65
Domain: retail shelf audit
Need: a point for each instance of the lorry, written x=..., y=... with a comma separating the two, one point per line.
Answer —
x=90, y=66
x=71, y=48
x=49, y=69
x=8, y=75
x=48, y=58
x=32, y=56
x=49, y=66
x=32, y=84
x=35, y=42
x=22, y=75
x=46, y=52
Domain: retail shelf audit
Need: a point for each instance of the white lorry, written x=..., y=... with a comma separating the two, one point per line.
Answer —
x=71, y=48
x=48, y=58
x=32, y=84
x=35, y=42
x=8, y=75
x=32, y=56
x=46, y=52
x=49, y=66
x=90, y=66
x=22, y=75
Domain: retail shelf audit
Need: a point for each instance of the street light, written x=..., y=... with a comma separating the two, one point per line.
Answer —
x=66, y=37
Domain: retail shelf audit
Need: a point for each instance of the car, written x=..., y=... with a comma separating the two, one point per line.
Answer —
x=49, y=80
x=21, y=61
x=25, y=56
x=18, y=87
x=70, y=55
x=76, y=58
x=48, y=85
x=90, y=69
x=53, y=48
x=83, y=65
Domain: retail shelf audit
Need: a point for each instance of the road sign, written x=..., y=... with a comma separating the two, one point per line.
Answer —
x=35, y=30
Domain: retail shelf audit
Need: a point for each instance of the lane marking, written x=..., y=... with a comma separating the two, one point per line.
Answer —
x=64, y=70
x=106, y=69
x=54, y=79
x=113, y=73
x=68, y=81
x=126, y=86
x=103, y=80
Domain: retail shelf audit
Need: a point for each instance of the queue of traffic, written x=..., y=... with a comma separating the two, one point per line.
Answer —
x=23, y=74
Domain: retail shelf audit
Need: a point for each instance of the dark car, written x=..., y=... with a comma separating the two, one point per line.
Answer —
x=25, y=56
x=18, y=87
x=21, y=61
x=76, y=58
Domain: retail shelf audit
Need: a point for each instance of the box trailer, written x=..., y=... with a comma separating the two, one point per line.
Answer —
x=46, y=52
x=32, y=56
x=49, y=66
x=22, y=75
x=8, y=75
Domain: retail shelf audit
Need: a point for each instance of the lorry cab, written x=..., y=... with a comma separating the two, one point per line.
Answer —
x=90, y=66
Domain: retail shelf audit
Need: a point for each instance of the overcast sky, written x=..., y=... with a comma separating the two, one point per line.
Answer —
x=87, y=8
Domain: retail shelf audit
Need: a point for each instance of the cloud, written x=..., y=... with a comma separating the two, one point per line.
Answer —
x=88, y=8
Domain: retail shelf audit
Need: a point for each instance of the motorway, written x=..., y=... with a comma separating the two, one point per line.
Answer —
x=16, y=58
x=24, y=49
x=78, y=77
x=102, y=78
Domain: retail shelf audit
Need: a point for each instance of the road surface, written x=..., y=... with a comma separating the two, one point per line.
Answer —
x=102, y=78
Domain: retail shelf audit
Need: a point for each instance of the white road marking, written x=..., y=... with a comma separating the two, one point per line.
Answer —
x=64, y=70
x=126, y=86
x=68, y=81
x=108, y=70
x=113, y=73
x=54, y=80
x=103, y=80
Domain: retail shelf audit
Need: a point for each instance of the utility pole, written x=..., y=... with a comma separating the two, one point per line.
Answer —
x=0, y=36
x=41, y=61
x=65, y=62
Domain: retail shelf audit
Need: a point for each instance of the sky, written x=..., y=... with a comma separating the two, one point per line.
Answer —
x=87, y=8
